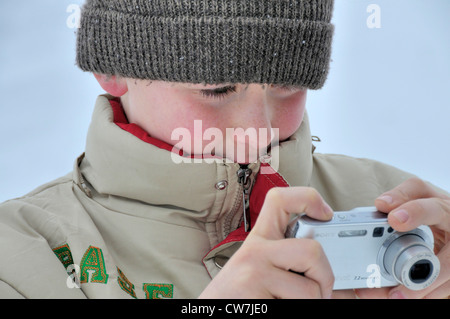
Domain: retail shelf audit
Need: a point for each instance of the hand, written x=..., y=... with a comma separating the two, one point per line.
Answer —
x=262, y=267
x=411, y=204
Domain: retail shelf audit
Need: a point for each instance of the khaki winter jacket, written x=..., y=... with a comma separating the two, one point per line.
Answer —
x=128, y=222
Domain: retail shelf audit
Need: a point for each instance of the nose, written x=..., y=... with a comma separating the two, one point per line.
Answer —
x=252, y=119
x=254, y=107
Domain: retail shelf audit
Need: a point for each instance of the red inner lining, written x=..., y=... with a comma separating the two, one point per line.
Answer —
x=263, y=183
x=120, y=119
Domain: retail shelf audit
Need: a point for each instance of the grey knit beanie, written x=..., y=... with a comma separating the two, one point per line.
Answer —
x=283, y=42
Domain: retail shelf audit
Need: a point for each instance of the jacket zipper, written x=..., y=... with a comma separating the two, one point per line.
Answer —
x=244, y=180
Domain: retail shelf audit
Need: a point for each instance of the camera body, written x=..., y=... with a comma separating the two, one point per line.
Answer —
x=365, y=252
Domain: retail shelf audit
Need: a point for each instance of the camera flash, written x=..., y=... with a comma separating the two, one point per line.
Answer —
x=352, y=233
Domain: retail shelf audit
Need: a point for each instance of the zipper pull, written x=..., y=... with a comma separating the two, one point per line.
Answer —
x=244, y=174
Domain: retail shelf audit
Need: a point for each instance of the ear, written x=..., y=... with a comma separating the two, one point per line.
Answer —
x=116, y=86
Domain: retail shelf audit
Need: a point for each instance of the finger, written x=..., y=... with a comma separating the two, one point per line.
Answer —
x=413, y=188
x=281, y=202
x=344, y=294
x=438, y=288
x=372, y=293
x=304, y=256
x=442, y=292
x=428, y=211
x=288, y=285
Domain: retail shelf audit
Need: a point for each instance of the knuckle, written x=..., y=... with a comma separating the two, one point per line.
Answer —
x=429, y=205
x=444, y=204
x=249, y=260
x=313, y=250
x=418, y=205
x=329, y=282
x=403, y=194
x=275, y=195
x=417, y=182
x=313, y=289
x=445, y=262
x=414, y=187
x=312, y=199
x=312, y=194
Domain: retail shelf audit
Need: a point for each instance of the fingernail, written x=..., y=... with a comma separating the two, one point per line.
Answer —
x=401, y=215
x=397, y=295
x=386, y=198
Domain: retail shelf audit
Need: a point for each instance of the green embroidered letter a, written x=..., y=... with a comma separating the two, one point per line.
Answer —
x=93, y=260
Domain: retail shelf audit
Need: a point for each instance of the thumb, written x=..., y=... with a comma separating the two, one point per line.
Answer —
x=281, y=202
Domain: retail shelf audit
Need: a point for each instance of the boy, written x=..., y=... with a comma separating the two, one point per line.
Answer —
x=147, y=213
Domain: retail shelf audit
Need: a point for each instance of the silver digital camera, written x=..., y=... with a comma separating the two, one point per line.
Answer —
x=365, y=252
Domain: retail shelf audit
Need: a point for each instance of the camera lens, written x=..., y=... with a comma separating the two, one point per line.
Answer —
x=420, y=271
x=411, y=262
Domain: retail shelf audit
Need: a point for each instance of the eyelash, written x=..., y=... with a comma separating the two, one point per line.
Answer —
x=222, y=92
x=219, y=92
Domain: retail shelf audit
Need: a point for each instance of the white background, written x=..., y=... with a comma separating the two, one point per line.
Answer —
x=386, y=98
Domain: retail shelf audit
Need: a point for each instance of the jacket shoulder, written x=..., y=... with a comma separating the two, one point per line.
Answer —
x=347, y=182
x=31, y=227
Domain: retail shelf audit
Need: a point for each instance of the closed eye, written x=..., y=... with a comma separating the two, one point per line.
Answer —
x=219, y=92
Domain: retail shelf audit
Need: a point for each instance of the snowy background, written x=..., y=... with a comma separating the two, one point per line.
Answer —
x=387, y=96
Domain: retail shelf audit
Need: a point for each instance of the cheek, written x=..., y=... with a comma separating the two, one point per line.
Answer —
x=159, y=117
x=289, y=115
x=191, y=119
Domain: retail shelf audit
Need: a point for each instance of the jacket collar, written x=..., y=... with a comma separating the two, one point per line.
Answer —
x=121, y=164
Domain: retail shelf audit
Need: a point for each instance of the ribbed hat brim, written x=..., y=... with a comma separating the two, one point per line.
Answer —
x=209, y=50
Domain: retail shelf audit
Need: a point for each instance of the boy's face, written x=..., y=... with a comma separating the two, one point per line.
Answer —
x=189, y=115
